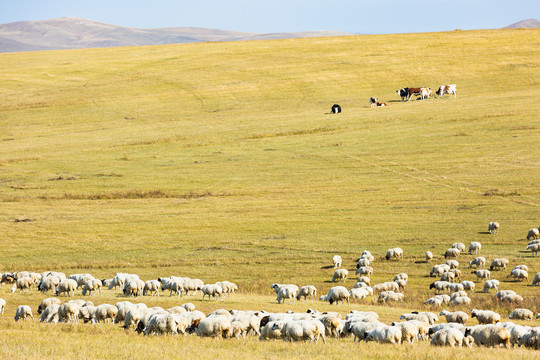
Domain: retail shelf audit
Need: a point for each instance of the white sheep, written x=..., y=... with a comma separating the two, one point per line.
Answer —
x=459, y=246
x=272, y=330
x=189, y=307
x=228, y=287
x=478, y=262
x=386, y=286
x=360, y=328
x=214, y=326
x=66, y=286
x=151, y=286
x=69, y=311
x=364, y=279
x=511, y=298
x=461, y=300
x=493, y=227
x=340, y=275
x=521, y=267
x=286, y=292
x=242, y=324
x=452, y=253
x=92, y=285
x=468, y=285
x=161, y=324
x=365, y=270
x=360, y=293
x=498, y=264
x=459, y=317
x=530, y=339
x=409, y=331
x=132, y=317
x=304, y=330
x=489, y=335
x=395, y=253
x=457, y=294
x=482, y=274
x=474, y=247
x=454, y=264
x=491, y=284
x=533, y=234
x=485, y=316
x=415, y=316
x=439, y=269
x=307, y=291
x=535, y=248
x=455, y=287
x=402, y=276
x=434, y=328
x=133, y=287
x=213, y=290
x=104, y=313
x=48, y=283
x=448, y=276
x=22, y=312
x=332, y=322
x=336, y=260
x=519, y=274
x=46, y=302
x=536, y=279
x=23, y=284
x=392, y=296
x=449, y=337
x=385, y=335
x=428, y=256
x=434, y=301
x=515, y=330
x=50, y=314
x=337, y=294
x=439, y=286
x=363, y=262
x=521, y=314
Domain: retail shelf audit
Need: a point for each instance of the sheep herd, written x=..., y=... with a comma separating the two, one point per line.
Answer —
x=450, y=290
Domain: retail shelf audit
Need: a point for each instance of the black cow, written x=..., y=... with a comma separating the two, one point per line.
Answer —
x=336, y=109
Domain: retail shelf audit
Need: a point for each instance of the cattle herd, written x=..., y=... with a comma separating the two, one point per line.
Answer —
x=451, y=291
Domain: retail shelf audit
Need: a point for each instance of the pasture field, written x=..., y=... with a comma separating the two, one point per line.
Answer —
x=220, y=161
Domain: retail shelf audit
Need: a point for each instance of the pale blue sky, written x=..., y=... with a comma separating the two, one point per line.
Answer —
x=356, y=16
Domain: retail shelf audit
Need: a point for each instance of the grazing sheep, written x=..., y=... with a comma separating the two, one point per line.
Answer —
x=493, y=227
x=161, y=324
x=459, y=246
x=468, y=285
x=365, y=270
x=434, y=301
x=50, y=314
x=519, y=274
x=286, y=293
x=511, y=298
x=474, y=248
x=366, y=254
x=454, y=264
x=462, y=300
x=455, y=287
x=92, y=285
x=521, y=314
x=48, y=283
x=438, y=270
x=360, y=293
x=521, y=267
x=336, y=260
x=482, y=274
x=515, y=330
x=360, y=328
x=386, y=286
x=333, y=324
x=429, y=256
x=132, y=317
x=133, y=287
x=213, y=290
x=307, y=291
x=409, y=331
x=214, y=326
x=414, y=316
x=402, y=276
x=533, y=234
x=439, y=286
x=434, y=328
x=104, y=313
x=22, y=312
x=455, y=317
x=337, y=294
x=448, y=276
x=530, y=339
x=452, y=253
x=340, y=275
x=387, y=296
x=272, y=330
x=489, y=335
x=498, y=264
x=46, y=302
x=449, y=337
x=485, y=316
x=66, y=286
x=458, y=294
x=478, y=262
x=311, y=330
x=536, y=279
x=69, y=311
x=395, y=253
x=363, y=262
x=189, y=307
x=151, y=286
x=384, y=335
x=364, y=279
x=22, y=283
x=491, y=284
x=535, y=248
x=228, y=287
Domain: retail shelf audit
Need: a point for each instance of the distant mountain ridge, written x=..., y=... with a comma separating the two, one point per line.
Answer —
x=529, y=23
x=78, y=33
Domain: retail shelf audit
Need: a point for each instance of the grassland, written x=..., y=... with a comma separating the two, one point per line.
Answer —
x=220, y=161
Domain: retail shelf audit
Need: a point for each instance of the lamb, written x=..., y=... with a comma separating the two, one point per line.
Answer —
x=92, y=285
x=365, y=270
x=22, y=312
x=46, y=302
x=50, y=314
x=307, y=291
x=493, y=227
x=489, y=335
x=457, y=316
x=478, y=262
x=452, y=253
x=395, y=253
x=449, y=337
x=104, y=312
x=535, y=248
x=521, y=314
x=386, y=334
x=485, y=316
x=462, y=300
x=340, y=275
x=533, y=234
x=468, y=285
x=69, y=311
x=491, y=284
x=151, y=286
x=22, y=283
x=474, y=247
x=428, y=256
x=213, y=290
x=337, y=294
x=459, y=246
x=66, y=286
x=482, y=274
x=497, y=264
x=536, y=279
x=336, y=260
x=519, y=274
x=304, y=330
x=214, y=326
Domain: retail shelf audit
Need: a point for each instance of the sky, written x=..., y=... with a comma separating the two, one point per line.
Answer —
x=354, y=16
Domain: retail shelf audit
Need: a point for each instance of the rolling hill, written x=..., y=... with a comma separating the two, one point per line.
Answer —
x=524, y=24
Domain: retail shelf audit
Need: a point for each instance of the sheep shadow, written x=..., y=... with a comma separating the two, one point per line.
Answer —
x=484, y=232
x=327, y=267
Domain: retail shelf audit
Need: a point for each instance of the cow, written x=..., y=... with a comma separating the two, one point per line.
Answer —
x=336, y=109
x=446, y=89
x=374, y=102
x=403, y=93
x=425, y=92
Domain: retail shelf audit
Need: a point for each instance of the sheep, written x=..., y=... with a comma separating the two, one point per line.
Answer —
x=213, y=290
x=452, y=253
x=521, y=314
x=48, y=283
x=22, y=283
x=214, y=326
x=50, y=314
x=272, y=330
x=294, y=330
x=533, y=234
x=307, y=291
x=535, y=248
x=69, y=311
x=104, y=312
x=228, y=287
x=22, y=312
x=395, y=253
x=516, y=331
x=360, y=293
x=161, y=324
x=459, y=246
x=340, y=275
x=449, y=337
x=132, y=317
x=478, y=262
x=439, y=286
x=461, y=300
x=448, y=276
x=386, y=296
x=454, y=264
x=434, y=301
x=92, y=285
x=337, y=294
x=336, y=260
x=360, y=328
x=519, y=274
x=66, y=286
x=511, y=298
x=402, y=276
x=333, y=324
x=367, y=255
x=193, y=284
x=414, y=316
x=457, y=316
x=530, y=339
x=455, y=287
x=457, y=274
x=485, y=316
x=286, y=293
x=189, y=307
x=146, y=316
x=151, y=286
x=46, y=302
x=364, y=279
x=428, y=256
x=368, y=316
x=386, y=286
x=386, y=334
x=457, y=294
x=277, y=286
x=242, y=324
x=363, y=262
x=434, y=328
x=468, y=285
x=491, y=284
x=536, y=279
x=489, y=335
x=409, y=331
x=7, y=278
x=365, y=270
x=497, y=264
x=474, y=248
x=133, y=287
x=482, y=274
x=521, y=267
x=438, y=270
x=493, y=227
